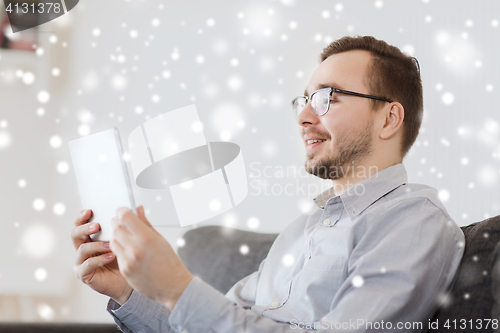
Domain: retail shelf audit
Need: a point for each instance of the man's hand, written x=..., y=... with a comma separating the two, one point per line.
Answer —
x=96, y=265
x=146, y=259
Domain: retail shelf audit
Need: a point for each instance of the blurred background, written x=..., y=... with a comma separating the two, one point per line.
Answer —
x=118, y=63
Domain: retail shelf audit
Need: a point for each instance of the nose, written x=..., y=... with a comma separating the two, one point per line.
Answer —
x=307, y=117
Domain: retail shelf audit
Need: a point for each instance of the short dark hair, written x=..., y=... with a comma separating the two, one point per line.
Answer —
x=393, y=75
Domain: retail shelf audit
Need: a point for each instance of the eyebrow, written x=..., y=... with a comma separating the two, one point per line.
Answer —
x=322, y=85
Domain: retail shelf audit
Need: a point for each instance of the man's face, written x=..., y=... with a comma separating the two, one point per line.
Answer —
x=347, y=126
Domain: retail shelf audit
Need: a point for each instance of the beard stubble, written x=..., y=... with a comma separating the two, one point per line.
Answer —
x=350, y=149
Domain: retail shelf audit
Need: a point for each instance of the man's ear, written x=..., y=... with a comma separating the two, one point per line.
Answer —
x=394, y=116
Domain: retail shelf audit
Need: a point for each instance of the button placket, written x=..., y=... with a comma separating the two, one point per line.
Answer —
x=276, y=304
x=331, y=213
x=310, y=243
x=307, y=260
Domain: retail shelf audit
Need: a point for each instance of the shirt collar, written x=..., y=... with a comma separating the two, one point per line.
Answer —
x=358, y=197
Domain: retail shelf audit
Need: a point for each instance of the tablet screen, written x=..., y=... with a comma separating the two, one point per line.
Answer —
x=102, y=178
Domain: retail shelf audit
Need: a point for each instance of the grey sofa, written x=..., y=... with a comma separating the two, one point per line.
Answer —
x=213, y=254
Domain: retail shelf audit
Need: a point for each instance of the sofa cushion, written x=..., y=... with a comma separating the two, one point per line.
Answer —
x=495, y=286
x=213, y=253
x=471, y=298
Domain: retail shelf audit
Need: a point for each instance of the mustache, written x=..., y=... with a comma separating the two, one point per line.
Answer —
x=315, y=133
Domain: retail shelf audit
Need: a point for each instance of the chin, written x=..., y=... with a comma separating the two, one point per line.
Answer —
x=312, y=168
x=310, y=162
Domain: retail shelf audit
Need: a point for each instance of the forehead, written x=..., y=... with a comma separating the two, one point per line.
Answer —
x=346, y=70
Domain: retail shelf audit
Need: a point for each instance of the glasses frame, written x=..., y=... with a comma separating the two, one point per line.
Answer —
x=340, y=91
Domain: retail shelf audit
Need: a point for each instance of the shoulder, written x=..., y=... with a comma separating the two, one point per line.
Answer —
x=411, y=190
x=412, y=208
x=414, y=198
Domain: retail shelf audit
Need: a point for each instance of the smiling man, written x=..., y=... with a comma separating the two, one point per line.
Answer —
x=375, y=254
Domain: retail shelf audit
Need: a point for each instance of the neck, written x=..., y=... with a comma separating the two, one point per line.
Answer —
x=356, y=173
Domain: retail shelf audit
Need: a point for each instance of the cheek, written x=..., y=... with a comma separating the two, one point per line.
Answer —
x=341, y=136
x=335, y=130
x=330, y=126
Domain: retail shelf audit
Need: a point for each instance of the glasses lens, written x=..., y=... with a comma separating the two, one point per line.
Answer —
x=298, y=105
x=320, y=101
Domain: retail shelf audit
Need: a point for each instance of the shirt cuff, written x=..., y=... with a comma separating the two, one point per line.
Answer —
x=135, y=314
x=199, y=307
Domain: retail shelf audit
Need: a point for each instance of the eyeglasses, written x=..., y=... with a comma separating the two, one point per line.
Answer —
x=320, y=100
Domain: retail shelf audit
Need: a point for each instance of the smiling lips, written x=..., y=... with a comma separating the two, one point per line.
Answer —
x=312, y=142
x=309, y=139
x=309, y=142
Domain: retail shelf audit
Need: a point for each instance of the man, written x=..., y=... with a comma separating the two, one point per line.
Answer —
x=375, y=254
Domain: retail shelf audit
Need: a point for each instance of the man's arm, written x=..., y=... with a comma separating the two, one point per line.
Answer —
x=140, y=314
x=396, y=274
x=143, y=314
x=405, y=259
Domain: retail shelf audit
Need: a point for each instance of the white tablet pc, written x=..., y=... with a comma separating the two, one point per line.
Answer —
x=102, y=178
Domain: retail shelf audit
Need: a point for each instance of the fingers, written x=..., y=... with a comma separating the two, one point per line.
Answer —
x=140, y=213
x=115, y=245
x=129, y=220
x=83, y=217
x=80, y=234
x=87, y=250
x=91, y=264
x=142, y=216
x=120, y=234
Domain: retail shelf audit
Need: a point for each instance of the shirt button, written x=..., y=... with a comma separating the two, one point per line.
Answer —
x=327, y=221
x=275, y=304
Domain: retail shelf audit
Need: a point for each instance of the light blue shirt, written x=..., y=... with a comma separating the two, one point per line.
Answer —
x=382, y=253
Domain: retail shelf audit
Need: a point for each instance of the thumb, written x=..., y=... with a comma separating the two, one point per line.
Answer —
x=142, y=216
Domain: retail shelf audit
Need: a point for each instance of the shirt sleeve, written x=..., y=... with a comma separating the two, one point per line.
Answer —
x=202, y=308
x=395, y=277
x=140, y=315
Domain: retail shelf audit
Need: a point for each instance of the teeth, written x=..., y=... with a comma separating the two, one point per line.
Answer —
x=314, y=141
